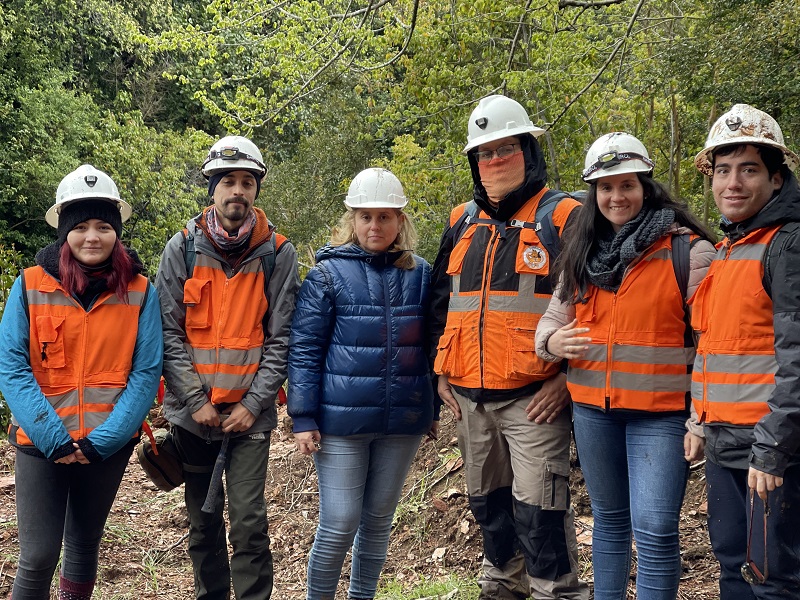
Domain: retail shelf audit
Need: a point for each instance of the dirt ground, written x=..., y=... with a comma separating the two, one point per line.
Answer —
x=435, y=538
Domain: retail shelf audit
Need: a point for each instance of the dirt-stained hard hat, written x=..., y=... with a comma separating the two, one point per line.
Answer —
x=744, y=124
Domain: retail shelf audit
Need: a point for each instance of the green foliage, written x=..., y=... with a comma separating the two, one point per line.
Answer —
x=157, y=173
x=9, y=270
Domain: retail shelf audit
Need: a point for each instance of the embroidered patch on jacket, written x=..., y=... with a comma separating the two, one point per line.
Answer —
x=534, y=257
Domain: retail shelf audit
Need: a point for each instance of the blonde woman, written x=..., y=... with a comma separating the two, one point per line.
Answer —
x=360, y=388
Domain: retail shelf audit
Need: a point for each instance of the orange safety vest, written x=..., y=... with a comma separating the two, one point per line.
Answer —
x=638, y=358
x=224, y=325
x=80, y=359
x=734, y=372
x=488, y=340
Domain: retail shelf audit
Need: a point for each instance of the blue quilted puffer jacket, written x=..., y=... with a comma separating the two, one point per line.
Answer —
x=356, y=357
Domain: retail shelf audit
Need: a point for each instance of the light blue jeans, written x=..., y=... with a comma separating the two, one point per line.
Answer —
x=636, y=477
x=360, y=482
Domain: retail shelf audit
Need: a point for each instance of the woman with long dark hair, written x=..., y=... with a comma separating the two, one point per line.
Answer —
x=82, y=350
x=629, y=263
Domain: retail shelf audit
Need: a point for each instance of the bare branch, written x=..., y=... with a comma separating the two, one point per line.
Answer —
x=360, y=11
x=405, y=44
x=602, y=70
x=513, y=49
x=587, y=4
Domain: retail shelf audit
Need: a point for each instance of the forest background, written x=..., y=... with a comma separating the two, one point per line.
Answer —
x=328, y=87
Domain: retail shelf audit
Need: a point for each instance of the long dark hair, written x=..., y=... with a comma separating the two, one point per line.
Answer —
x=117, y=277
x=589, y=224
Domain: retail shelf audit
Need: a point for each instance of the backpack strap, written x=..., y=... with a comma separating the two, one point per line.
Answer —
x=543, y=224
x=681, y=263
x=188, y=252
x=460, y=222
x=546, y=229
x=25, y=295
x=776, y=246
x=681, y=247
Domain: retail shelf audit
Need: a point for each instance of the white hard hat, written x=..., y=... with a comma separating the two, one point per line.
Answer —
x=616, y=153
x=498, y=117
x=86, y=183
x=234, y=153
x=375, y=188
x=744, y=124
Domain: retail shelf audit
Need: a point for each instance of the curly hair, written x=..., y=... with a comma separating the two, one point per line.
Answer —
x=579, y=236
x=345, y=233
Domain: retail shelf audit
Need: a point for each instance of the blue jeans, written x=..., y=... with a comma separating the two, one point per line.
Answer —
x=728, y=527
x=56, y=503
x=360, y=482
x=636, y=478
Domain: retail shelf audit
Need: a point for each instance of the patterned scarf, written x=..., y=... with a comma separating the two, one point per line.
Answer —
x=612, y=253
x=224, y=240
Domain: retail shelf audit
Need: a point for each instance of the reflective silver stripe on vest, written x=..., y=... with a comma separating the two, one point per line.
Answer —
x=639, y=382
x=58, y=298
x=636, y=382
x=747, y=252
x=226, y=381
x=741, y=363
x=455, y=284
x=464, y=303
x=54, y=298
x=586, y=377
x=522, y=301
x=227, y=356
x=134, y=298
x=653, y=355
x=650, y=382
x=660, y=254
x=518, y=304
x=746, y=364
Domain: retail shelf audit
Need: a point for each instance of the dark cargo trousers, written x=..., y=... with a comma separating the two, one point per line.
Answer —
x=518, y=484
x=250, y=567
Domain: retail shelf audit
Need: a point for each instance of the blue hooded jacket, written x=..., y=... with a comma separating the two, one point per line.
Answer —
x=357, y=362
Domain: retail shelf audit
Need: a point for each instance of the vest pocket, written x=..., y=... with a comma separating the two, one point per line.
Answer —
x=521, y=358
x=698, y=303
x=197, y=298
x=51, y=341
x=460, y=251
x=448, y=354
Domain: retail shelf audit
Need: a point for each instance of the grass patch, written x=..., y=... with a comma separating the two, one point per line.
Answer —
x=450, y=588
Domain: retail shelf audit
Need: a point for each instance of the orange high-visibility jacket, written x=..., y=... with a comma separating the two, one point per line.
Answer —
x=224, y=325
x=734, y=372
x=488, y=340
x=69, y=353
x=638, y=358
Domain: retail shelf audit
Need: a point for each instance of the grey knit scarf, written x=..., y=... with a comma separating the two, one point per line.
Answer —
x=611, y=254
